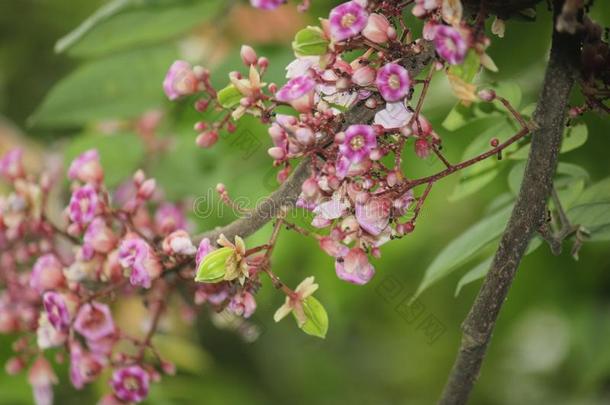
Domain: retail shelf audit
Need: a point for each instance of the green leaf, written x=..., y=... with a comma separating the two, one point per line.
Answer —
x=464, y=247
x=213, y=267
x=229, y=97
x=569, y=181
x=469, y=68
x=481, y=270
x=477, y=176
x=573, y=137
x=121, y=154
x=592, y=210
x=477, y=273
x=596, y=193
x=150, y=23
x=121, y=86
x=103, y=13
x=310, y=41
x=317, y=318
x=459, y=116
x=510, y=91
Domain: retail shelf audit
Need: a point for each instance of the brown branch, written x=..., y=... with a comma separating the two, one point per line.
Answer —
x=527, y=217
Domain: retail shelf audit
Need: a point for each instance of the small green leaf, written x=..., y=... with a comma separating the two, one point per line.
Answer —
x=464, y=248
x=317, y=318
x=459, y=116
x=229, y=97
x=213, y=267
x=574, y=137
x=310, y=41
x=469, y=68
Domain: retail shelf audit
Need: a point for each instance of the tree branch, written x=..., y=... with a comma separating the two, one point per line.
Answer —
x=527, y=217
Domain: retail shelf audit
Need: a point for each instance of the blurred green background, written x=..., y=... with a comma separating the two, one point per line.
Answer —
x=552, y=342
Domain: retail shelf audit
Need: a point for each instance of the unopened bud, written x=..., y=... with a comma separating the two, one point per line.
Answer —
x=248, y=55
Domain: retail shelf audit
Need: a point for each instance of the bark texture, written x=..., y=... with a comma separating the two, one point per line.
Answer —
x=527, y=217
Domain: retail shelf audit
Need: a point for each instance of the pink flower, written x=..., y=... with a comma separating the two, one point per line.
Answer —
x=205, y=247
x=179, y=243
x=41, y=377
x=267, y=4
x=347, y=20
x=393, y=82
x=85, y=367
x=355, y=267
x=374, y=215
x=83, y=205
x=243, y=304
x=133, y=255
x=46, y=274
x=94, y=321
x=450, y=45
x=424, y=7
x=296, y=88
x=57, y=310
x=180, y=80
x=215, y=294
x=100, y=237
x=87, y=168
x=358, y=143
x=169, y=218
x=332, y=247
x=394, y=115
x=11, y=164
x=130, y=384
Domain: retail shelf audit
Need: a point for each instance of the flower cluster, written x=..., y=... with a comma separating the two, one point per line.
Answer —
x=59, y=282
x=351, y=110
x=358, y=192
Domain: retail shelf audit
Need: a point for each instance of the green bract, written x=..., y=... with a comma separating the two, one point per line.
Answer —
x=213, y=267
x=229, y=97
x=317, y=318
x=310, y=42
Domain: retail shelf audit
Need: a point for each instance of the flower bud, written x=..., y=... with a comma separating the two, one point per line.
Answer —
x=487, y=95
x=276, y=153
x=248, y=55
x=207, y=139
x=147, y=189
x=305, y=136
x=364, y=76
x=376, y=29
x=422, y=149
